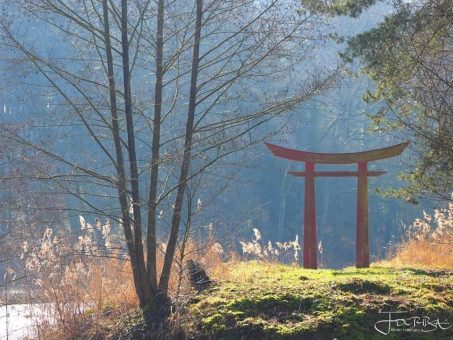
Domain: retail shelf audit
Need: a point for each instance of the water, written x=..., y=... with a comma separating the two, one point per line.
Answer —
x=19, y=321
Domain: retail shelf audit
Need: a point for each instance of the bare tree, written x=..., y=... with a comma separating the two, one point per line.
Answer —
x=124, y=74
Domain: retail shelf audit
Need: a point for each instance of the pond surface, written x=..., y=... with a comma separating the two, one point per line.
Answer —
x=19, y=321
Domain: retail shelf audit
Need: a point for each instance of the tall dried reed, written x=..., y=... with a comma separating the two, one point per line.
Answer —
x=88, y=283
x=257, y=249
x=74, y=279
x=428, y=243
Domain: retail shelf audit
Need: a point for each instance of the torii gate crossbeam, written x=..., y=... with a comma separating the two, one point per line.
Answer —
x=310, y=159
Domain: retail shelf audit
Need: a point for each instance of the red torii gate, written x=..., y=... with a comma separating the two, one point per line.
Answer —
x=312, y=158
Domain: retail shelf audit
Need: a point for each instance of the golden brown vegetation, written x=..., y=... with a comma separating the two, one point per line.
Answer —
x=429, y=242
x=90, y=292
x=87, y=285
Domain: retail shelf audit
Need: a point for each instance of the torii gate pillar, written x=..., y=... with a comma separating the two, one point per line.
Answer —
x=310, y=248
x=310, y=239
x=362, y=241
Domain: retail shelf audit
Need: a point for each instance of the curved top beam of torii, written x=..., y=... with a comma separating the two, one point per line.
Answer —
x=337, y=158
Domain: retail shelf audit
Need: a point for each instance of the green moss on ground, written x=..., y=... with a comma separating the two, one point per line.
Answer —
x=272, y=301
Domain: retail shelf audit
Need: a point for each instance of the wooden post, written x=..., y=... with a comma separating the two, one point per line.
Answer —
x=362, y=243
x=310, y=244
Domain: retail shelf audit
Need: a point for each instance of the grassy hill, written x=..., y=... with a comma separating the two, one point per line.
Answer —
x=271, y=301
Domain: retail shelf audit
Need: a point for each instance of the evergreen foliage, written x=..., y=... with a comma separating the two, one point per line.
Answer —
x=409, y=56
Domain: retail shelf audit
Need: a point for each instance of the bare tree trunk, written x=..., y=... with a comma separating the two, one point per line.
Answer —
x=284, y=189
x=146, y=286
x=121, y=182
x=176, y=218
x=152, y=200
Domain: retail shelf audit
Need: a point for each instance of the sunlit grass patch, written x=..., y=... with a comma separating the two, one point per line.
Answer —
x=264, y=300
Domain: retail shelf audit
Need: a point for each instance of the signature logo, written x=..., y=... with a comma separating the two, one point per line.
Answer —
x=394, y=321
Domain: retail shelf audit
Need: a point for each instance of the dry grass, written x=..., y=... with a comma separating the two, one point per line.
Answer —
x=424, y=254
x=91, y=293
x=103, y=291
x=429, y=243
x=87, y=292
